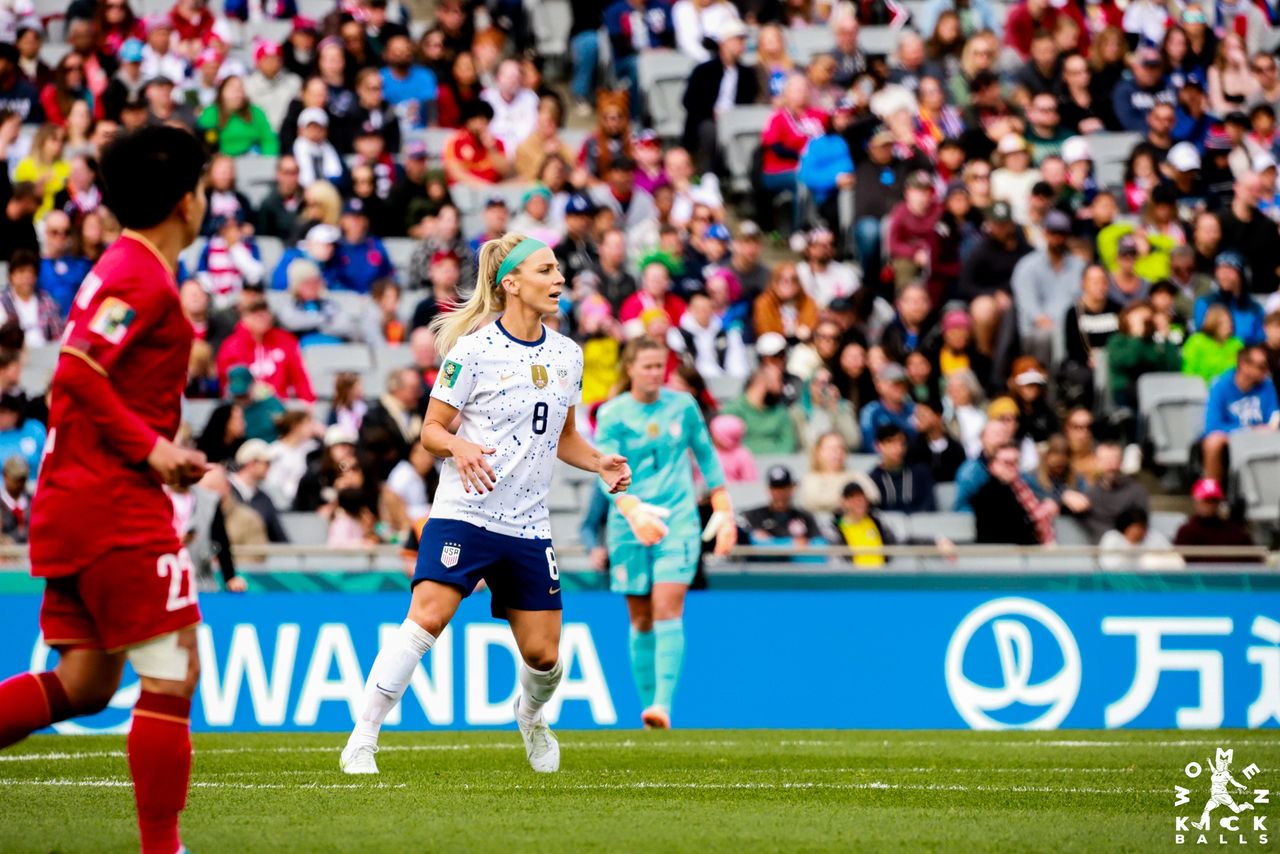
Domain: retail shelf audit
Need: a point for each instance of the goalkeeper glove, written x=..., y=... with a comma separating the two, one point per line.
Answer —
x=645, y=519
x=721, y=527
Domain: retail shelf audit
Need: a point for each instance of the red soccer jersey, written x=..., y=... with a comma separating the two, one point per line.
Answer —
x=96, y=492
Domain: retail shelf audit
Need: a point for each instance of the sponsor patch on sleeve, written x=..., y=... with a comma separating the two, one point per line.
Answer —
x=113, y=319
x=449, y=373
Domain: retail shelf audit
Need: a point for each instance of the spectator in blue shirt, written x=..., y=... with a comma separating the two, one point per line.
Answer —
x=20, y=436
x=361, y=258
x=1230, y=293
x=893, y=407
x=635, y=26
x=1240, y=399
x=321, y=246
x=904, y=488
x=826, y=165
x=411, y=89
x=60, y=271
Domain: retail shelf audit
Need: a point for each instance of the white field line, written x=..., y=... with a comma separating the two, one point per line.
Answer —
x=113, y=783
x=777, y=772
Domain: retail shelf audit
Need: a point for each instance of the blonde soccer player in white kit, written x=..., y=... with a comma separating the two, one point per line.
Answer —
x=514, y=383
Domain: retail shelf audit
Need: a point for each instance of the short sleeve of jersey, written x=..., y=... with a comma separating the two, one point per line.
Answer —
x=458, y=375
x=575, y=395
x=107, y=318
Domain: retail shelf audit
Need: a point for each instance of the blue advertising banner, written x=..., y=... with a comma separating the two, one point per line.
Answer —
x=794, y=659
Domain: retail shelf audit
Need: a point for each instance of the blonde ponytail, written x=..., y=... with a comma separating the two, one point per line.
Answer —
x=487, y=299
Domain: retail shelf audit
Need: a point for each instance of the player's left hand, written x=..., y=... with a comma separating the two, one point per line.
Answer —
x=237, y=584
x=721, y=527
x=615, y=473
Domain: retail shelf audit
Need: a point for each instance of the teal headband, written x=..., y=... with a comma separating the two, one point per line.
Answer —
x=522, y=250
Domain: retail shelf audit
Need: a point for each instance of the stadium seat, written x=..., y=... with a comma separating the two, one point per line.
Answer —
x=305, y=529
x=1172, y=408
x=270, y=250
x=1255, y=473
x=277, y=300
x=798, y=464
x=400, y=252
x=272, y=29
x=739, y=132
x=1167, y=523
x=724, y=388
x=191, y=255
x=944, y=495
x=387, y=359
x=564, y=497
x=574, y=138
x=551, y=22
x=956, y=527
x=804, y=43
x=747, y=495
x=255, y=169
x=350, y=302
x=197, y=413
x=1068, y=532
x=663, y=76
x=898, y=524
x=37, y=369
x=862, y=462
x=1112, y=147
x=326, y=361
x=564, y=528
x=877, y=41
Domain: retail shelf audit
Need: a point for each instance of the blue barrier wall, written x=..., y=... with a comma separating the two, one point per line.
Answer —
x=794, y=659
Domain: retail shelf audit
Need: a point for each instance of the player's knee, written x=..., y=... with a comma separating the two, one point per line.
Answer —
x=642, y=624
x=428, y=621
x=90, y=698
x=543, y=658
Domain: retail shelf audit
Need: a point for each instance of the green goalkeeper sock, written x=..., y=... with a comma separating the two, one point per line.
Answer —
x=642, y=665
x=668, y=657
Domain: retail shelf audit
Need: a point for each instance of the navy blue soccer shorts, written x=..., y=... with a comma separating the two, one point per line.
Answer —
x=521, y=574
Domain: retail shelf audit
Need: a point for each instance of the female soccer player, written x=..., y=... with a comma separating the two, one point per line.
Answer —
x=654, y=561
x=513, y=384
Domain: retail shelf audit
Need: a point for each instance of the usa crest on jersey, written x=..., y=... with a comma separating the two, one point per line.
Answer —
x=450, y=553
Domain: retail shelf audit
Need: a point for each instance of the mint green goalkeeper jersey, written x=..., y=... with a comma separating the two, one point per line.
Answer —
x=656, y=439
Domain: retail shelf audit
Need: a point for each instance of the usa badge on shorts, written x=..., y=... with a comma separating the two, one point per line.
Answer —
x=113, y=319
x=449, y=554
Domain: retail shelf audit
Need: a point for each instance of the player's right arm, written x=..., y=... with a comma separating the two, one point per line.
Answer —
x=473, y=468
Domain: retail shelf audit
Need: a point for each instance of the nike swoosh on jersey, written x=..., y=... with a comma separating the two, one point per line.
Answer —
x=504, y=377
x=551, y=591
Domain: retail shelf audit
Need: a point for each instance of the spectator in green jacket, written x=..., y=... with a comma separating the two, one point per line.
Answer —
x=1139, y=347
x=1211, y=352
x=234, y=125
x=770, y=428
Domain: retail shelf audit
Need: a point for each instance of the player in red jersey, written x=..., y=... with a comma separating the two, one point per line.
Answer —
x=118, y=585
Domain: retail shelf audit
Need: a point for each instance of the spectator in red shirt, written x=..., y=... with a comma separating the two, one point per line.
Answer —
x=273, y=355
x=191, y=21
x=654, y=293
x=914, y=239
x=473, y=155
x=1031, y=15
x=787, y=133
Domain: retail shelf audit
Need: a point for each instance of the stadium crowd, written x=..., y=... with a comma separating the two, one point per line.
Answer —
x=936, y=272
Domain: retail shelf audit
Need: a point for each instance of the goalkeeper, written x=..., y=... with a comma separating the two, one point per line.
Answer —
x=653, y=531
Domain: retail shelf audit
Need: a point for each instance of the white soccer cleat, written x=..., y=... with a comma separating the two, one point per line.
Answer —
x=540, y=743
x=358, y=759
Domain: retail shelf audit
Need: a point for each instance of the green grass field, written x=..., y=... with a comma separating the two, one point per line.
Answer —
x=687, y=790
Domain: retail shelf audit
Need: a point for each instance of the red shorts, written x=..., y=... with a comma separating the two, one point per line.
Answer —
x=125, y=598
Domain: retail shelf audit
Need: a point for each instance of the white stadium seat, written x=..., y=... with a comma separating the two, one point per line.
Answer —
x=1255, y=473
x=663, y=75
x=1172, y=407
x=739, y=133
x=804, y=43
x=956, y=527
x=326, y=361
x=305, y=529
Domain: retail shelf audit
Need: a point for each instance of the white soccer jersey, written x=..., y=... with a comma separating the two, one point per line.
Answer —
x=514, y=396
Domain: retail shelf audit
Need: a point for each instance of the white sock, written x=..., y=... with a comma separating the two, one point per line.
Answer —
x=392, y=670
x=536, y=687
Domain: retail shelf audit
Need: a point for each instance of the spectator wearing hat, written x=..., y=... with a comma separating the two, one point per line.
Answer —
x=409, y=193
x=879, y=178
x=361, y=258
x=986, y=275
x=229, y=262
x=61, y=270
x=271, y=86
x=1230, y=293
x=1182, y=168
x=1241, y=399
x=1141, y=88
x=161, y=106
x=821, y=409
x=26, y=305
x=1028, y=387
x=772, y=349
x=1207, y=526
x=744, y=260
x=15, y=506
x=320, y=244
x=895, y=405
x=1013, y=180
x=1247, y=231
x=317, y=159
x=535, y=218
x=160, y=57
x=474, y=156
x=1006, y=511
x=126, y=84
x=770, y=427
x=1045, y=284
x=781, y=522
x=913, y=238
x=953, y=349
x=272, y=354
x=707, y=95
x=253, y=462
x=1193, y=121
